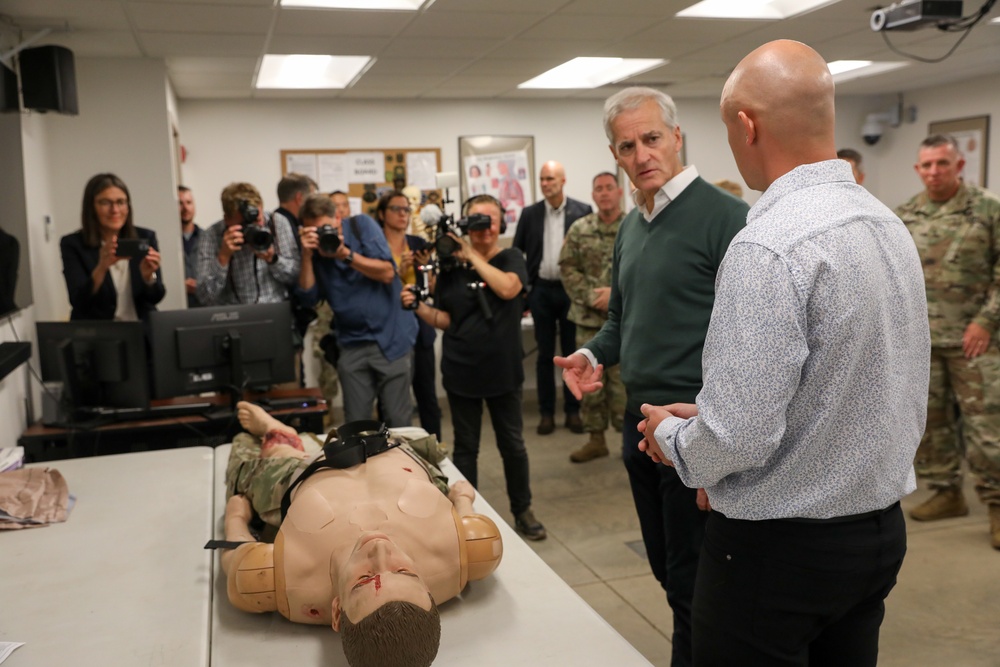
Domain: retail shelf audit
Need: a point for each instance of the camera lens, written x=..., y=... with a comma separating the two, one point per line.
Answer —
x=329, y=241
x=445, y=246
x=257, y=237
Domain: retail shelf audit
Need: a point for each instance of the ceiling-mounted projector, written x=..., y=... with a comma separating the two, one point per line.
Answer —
x=915, y=14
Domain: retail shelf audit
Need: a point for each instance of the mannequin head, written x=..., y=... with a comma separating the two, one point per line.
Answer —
x=395, y=619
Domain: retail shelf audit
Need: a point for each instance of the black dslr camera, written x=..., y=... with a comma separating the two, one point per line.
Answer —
x=444, y=244
x=329, y=239
x=257, y=237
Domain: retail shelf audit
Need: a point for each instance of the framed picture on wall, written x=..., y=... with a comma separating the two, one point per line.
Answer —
x=973, y=137
x=501, y=166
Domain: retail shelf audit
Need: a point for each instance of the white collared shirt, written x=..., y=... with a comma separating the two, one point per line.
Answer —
x=670, y=191
x=552, y=240
x=122, y=280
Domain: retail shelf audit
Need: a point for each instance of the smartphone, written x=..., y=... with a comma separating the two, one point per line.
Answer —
x=132, y=248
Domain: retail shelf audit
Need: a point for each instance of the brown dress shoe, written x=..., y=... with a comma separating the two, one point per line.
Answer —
x=574, y=423
x=594, y=449
x=547, y=425
x=944, y=504
x=995, y=525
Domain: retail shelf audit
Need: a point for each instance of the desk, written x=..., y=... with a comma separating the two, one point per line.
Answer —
x=125, y=581
x=43, y=443
x=523, y=614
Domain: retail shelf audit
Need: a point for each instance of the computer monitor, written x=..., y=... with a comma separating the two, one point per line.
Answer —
x=101, y=364
x=221, y=348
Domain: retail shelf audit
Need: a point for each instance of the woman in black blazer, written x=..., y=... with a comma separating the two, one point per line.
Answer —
x=96, y=276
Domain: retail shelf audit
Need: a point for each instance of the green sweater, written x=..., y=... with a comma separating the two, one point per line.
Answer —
x=662, y=292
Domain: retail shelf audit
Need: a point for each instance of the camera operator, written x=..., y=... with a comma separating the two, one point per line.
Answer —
x=348, y=263
x=243, y=259
x=479, y=300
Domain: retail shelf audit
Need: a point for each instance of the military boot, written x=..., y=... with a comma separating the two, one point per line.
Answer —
x=995, y=525
x=594, y=449
x=944, y=504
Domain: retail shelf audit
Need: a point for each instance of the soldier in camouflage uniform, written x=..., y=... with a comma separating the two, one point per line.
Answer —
x=585, y=265
x=956, y=228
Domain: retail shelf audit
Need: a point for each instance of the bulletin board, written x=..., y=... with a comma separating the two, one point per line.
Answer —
x=365, y=174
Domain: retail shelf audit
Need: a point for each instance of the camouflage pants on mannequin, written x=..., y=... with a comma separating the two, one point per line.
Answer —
x=599, y=407
x=328, y=383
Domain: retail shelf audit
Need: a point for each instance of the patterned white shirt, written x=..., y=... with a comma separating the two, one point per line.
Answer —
x=247, y=278
x=816, y=360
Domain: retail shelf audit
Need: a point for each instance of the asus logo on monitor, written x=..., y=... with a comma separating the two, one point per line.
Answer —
x=225, y=317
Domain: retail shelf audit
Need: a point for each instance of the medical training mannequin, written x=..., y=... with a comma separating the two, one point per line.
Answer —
x=369, y=550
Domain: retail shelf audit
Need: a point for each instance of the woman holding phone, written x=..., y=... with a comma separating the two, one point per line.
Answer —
x=112, y=267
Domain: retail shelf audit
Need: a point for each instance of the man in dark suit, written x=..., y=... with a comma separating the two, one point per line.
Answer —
x=539, y=236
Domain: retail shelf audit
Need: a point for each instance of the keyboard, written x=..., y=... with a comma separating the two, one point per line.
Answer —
x=152, y=412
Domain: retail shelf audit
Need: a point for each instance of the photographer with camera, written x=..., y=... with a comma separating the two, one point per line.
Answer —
x=348, y=263
x=101, y=286
x=243, y=258
x=478, y=304
x=412, y=256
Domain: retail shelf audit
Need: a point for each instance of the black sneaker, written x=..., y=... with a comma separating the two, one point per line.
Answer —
x=529, y=526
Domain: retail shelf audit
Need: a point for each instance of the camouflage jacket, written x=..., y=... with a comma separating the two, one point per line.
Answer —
x=585, y=263
x=959, y=246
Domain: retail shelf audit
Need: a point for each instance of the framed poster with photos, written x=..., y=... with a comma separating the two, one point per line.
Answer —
x=501, y=166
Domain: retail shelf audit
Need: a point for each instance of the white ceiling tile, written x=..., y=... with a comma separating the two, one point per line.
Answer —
x=341, y=23
x=165, y=44
x=226, y=19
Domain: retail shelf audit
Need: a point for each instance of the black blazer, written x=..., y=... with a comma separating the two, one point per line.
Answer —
x=530, y=233
x=79, y=262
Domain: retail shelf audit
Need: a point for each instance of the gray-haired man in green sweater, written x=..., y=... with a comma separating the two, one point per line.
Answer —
x=666, y=255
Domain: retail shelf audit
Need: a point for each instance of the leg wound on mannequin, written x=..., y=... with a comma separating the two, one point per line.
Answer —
x=276, y=437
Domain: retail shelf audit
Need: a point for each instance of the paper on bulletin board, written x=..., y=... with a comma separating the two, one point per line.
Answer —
x=366, y=167
x=332, y=172
x=355, y=203
x=421, y=169
x=302, y=163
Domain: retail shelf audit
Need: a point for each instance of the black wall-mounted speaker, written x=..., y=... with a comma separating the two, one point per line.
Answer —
x=8, y=89
x=48, y=79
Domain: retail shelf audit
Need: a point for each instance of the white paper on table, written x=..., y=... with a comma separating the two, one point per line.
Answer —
x=6, y=648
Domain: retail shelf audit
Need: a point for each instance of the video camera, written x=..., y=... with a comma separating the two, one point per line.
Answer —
x=445, y=223
x=257, y=237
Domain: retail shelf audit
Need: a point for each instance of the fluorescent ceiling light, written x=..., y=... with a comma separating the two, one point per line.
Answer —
x=307, y=71
x=398, y=5
x=591, y=72
x=751, y=9
x=845, y=70
x=995, y=21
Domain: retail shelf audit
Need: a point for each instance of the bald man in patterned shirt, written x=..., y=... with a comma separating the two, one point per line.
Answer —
x=814, y=399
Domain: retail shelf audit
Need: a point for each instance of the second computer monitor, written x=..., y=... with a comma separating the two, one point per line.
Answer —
x=221, y=348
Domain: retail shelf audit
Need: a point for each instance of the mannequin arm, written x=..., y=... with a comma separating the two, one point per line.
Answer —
x=250, y=567
x=483, y=545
